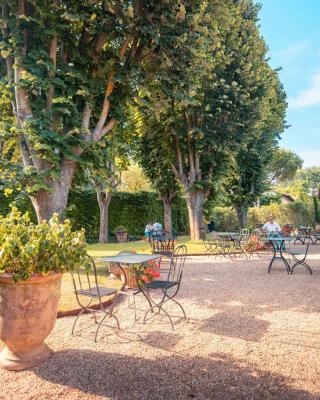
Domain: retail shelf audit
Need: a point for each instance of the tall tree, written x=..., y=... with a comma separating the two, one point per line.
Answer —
x=210, y=114
x=70, y=65
x=154, y=161
x=250, y=171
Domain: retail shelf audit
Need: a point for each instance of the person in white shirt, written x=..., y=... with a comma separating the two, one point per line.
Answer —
x=271, y=226
x=273, y=229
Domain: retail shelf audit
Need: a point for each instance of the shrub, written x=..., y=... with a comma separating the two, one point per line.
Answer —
x=297, y=213
x=27, y=248
x=120, y=228
x=225, y=219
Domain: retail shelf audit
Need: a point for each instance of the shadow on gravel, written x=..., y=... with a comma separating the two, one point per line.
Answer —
x=236, y=325
x=116, y=376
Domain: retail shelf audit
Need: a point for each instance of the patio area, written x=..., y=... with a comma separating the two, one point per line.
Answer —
x=249, y=335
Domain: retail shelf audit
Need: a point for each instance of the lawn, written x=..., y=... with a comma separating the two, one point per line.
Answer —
x=68, y=300
x=99, y=250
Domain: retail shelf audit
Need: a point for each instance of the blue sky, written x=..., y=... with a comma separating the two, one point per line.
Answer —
x=291, y=29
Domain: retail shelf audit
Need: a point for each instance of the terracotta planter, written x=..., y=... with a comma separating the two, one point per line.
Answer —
x=130, y=277
x=28, y=312
x=122, y=236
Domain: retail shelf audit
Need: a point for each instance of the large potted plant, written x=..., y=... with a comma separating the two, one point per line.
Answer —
x=121, y=234
x=32, y=260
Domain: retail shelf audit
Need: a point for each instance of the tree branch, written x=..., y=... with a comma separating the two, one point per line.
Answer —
x=53, y=56
x=5, y=33
x=197, y=166
x=85, y=124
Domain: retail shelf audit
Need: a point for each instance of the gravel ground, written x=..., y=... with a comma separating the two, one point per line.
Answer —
x=249, y=335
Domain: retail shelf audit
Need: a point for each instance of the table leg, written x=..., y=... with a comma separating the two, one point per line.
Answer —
x=275, y=250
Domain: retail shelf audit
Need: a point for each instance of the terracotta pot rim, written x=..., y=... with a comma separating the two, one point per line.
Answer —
x=34, y=279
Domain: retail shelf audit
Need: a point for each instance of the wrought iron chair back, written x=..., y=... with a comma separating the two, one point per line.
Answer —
x=163, y=245
x=89, y=293
x=178, y=260
x=168, y=286
x=211, y=245
x=244, y=233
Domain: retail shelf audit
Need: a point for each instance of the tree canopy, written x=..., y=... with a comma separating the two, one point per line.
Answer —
x=283, y=166
x=70, y=66
x=212, y=100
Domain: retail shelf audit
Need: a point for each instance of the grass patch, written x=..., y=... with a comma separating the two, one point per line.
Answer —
x=100, y=250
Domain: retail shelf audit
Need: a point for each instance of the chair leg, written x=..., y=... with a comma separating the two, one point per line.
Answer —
x=75, y=321
x=108, y=314
x=174, y=300
x=303, y=264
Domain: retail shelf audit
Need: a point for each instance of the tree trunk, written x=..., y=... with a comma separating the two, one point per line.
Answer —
x=242, y=213
x=167, y=215
x=104, y=199
x=195, y=202
x=48, y=202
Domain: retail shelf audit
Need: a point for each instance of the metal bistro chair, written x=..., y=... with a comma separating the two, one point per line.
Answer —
x=209, y=245
x=300, y=261
x=88, y=290
x=163, y=244
x=242, y=241
x=225, y=247
x=170, y=286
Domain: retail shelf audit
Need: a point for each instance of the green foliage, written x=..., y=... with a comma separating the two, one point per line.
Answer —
x=225, y=219
x=210, y=115
x=299, y=187
x=132, y=210
x=283, y=166
x=70, y=67
x=133, y=180
x=152, y=157
x=316, y=210
x=248, y=175
x=297, y=213
x=28, y=248
x=120, y=228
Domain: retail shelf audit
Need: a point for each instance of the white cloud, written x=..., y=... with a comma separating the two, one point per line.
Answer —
x=308, y=97
x=311, y=158
x=291, y=52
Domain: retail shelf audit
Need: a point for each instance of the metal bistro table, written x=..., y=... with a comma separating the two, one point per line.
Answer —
x=132, y=259
x=228, y=242
x=277, y=245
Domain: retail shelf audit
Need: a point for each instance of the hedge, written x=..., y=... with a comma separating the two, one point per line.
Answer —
x=297, y=213
x=132, y=210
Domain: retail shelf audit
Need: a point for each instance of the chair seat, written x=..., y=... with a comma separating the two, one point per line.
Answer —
x=93, y=292
x=161, y=284
x=296, y=253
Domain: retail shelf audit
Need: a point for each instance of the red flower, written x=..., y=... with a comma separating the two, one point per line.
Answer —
x=145, y=278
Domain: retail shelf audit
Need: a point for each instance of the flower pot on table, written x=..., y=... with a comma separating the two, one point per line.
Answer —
x=122, y=236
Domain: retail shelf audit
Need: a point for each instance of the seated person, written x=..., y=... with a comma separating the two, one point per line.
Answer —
x=157, y=229
x=148, y=230
x=273, y=229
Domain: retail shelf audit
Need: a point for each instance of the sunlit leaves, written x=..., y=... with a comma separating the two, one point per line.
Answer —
x=27, y=248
